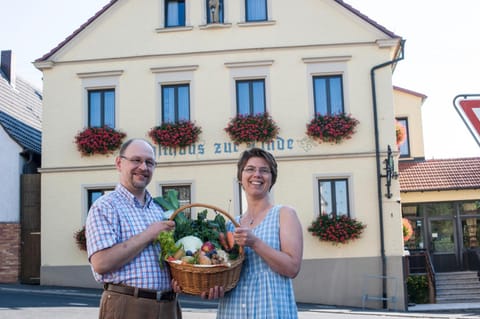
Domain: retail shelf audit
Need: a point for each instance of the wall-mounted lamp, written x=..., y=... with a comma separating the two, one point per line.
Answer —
x=390, y=171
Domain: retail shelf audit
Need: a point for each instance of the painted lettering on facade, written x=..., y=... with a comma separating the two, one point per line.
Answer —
x=221, y=148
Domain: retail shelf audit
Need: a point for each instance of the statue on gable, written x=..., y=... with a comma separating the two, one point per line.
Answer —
x=214, y=6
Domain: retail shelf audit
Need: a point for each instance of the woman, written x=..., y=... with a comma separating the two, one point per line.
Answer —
x=273, y=242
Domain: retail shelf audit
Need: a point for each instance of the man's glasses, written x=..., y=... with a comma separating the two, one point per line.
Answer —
x=138, y=161
x=253, y=169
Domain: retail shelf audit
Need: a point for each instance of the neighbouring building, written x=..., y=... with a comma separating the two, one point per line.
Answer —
x=20, y=142
x=441, y=201
x=134, y=66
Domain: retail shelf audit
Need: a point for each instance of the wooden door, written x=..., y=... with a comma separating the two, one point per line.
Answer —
x=30, y=229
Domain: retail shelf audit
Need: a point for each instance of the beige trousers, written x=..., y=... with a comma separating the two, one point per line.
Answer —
x=119, y=306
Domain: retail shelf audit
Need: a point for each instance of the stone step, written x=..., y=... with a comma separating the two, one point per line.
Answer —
x=457, y=285
x=457, y=275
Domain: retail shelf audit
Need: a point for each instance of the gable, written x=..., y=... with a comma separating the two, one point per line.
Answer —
x=130, y=29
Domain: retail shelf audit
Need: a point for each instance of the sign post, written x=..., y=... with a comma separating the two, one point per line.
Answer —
x=468, y=107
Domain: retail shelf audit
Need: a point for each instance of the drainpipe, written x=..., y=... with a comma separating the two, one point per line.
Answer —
x=379, y=166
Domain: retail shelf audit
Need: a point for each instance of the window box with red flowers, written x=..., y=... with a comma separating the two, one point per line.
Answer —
x=332, y=128
x=178, y=134
x=336, y=229
x=252, y=128
x=98, y=140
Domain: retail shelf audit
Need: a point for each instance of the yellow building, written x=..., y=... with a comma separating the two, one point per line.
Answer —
x=136, y=65
x=441, y=201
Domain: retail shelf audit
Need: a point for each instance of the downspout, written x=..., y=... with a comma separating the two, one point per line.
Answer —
x=379, y=167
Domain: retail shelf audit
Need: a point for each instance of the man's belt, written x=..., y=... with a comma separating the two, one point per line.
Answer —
x=166, y=295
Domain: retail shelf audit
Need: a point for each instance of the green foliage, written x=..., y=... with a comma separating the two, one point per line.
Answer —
x=417, y=287
x=165, y=238
x=170, y=201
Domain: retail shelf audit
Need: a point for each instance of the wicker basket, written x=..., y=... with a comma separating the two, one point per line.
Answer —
x=195, y=279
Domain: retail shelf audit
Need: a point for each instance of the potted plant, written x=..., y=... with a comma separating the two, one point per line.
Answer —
x=336, y=229
x=406, y=229
x=181, y=134
x=332, y=128
x=81, y=239
x=98, y=140
x=252, y=128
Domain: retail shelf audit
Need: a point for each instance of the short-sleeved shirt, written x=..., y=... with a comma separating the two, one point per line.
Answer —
x=113, y=219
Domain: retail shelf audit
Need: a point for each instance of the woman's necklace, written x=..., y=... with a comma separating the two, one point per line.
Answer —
x=252, y=219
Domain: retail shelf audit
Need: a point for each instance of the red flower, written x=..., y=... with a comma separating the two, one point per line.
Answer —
x=98, y=140
x=252, y=128
x=181, y=134
x=338, y=230
x=331, y=128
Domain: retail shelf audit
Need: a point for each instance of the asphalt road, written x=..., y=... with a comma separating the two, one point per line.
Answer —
x=38, y=302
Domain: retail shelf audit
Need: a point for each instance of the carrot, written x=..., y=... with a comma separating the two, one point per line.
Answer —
x=230, y=240
x=222, y=240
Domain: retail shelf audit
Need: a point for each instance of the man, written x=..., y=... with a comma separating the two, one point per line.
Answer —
x=121, y=228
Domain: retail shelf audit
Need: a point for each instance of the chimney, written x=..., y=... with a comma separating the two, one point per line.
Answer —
x=8, y=66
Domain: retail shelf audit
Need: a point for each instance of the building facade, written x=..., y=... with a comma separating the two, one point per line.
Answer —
x=134, y=66
x=20, y=142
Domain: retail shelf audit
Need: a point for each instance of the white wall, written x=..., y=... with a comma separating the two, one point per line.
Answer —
x=11, y=164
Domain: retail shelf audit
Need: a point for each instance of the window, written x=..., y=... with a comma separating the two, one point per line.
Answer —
x=101, y=108
x=214, y=11
x=255, y=10
x=404, y=147
x=333, y=197
x=328, y=94
x=250, y=97
x=94, y=194
x=175, y=103
x=184, y=195
x=174, y=13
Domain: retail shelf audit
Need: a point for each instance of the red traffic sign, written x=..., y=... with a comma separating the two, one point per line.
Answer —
x=468, y=107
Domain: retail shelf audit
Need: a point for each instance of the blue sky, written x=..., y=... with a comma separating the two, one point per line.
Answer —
x=441, y=53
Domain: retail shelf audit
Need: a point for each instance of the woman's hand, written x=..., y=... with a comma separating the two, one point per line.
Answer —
x=244, y=236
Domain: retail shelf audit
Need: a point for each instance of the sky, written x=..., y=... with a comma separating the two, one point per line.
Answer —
x=441, y=53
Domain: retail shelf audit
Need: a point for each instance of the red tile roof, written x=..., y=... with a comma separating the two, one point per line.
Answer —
x=441, y=174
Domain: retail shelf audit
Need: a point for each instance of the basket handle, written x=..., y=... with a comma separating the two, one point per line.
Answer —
x=217, y=209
